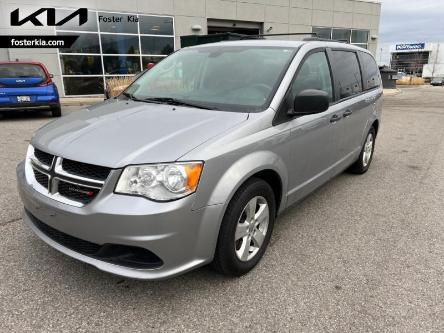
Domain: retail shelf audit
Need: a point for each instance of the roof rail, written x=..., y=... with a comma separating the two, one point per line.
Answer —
x=313, y=34
x=325, y=40
x=313, y=37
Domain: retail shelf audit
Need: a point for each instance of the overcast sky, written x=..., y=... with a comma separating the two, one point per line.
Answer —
x=412, y=21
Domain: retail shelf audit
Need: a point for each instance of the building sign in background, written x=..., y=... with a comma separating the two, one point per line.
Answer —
x=407, y=47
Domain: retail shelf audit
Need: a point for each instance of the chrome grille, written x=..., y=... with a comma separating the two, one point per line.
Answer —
x=41, y=178
x=85, y=170
x=43, y=157
x=68, y=181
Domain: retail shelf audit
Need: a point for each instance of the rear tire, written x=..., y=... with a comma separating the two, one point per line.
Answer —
x=362, y=165
x=246, y=228
x=56, y=111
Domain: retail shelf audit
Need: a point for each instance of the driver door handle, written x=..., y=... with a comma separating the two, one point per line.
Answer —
x=335, y=118
x=347, y=113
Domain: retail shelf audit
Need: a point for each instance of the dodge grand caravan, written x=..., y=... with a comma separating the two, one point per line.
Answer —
x=194, y=161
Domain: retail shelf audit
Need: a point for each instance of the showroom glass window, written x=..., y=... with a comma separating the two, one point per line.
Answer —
x=351, y=36
x=108, y=49
x=324, y=33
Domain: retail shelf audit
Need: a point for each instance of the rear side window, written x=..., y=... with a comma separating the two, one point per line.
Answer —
x=21, y=70
x=370, y=72
x=314, y=74
x=347, y=72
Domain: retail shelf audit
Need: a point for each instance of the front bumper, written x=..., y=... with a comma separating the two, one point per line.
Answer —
x=181, y=237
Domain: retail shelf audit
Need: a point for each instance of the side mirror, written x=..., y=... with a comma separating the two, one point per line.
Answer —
x=310, y=101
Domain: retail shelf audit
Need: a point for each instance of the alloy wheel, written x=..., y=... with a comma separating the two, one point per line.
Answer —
x=368, y=150
x=251, y=228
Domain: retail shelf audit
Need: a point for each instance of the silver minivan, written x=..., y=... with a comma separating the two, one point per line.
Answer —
x=194, y=161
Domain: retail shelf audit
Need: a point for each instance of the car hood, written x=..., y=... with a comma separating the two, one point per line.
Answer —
x=116, y=134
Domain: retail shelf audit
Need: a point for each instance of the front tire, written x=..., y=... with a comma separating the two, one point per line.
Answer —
x=362, y=165
x=246, y=228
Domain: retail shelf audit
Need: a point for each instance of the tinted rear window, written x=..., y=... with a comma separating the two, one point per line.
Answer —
x=21, y=70
x=370, y=71
x=347, y=72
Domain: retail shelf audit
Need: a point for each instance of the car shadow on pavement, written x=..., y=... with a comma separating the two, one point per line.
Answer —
x=24, y=115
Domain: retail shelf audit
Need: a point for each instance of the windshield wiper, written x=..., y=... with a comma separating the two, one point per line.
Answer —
x=130, y=96
x=167, y=100
x=175, y=101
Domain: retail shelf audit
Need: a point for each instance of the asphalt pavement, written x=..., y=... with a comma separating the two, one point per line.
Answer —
x=361, y=254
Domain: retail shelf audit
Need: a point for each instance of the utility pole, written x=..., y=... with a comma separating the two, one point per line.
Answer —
x=436, y=60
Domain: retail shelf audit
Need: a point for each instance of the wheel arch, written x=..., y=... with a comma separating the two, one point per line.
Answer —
x=375, y=125
x=272, y=178
x=265, y=165
x=222, y=186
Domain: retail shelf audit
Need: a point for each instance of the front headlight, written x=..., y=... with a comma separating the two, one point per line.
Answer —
x=160, y=182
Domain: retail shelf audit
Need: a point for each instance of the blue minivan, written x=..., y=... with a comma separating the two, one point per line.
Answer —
x=27, y=86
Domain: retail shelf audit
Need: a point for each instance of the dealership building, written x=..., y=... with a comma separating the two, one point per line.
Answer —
x=417, y=59
x=149, y=30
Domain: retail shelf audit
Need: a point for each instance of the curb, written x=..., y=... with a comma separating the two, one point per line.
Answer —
x=66, y=101
x=392, y=92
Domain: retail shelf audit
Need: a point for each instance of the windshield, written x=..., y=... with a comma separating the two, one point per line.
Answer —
x=231, y=78
x=21, y=70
